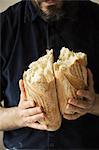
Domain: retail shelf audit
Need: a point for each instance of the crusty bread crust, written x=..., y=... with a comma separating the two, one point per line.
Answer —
x=50, y=85
x=69, y=78
x=43, y=94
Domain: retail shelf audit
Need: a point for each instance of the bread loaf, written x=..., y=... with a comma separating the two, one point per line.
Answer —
x=71, y=75
x=40, y=87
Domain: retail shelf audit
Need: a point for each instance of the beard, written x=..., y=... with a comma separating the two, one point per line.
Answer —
x=52, y=12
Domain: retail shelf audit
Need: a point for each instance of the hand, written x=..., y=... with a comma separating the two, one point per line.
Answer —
x=28, y=114
x=81, y=107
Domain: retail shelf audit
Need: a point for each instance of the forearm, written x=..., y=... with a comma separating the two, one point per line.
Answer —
x=8, y=117
x=95, y=110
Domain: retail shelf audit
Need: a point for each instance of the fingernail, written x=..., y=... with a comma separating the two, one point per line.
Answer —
x=67, y=106
x=70, y=100
x=43, y=116
x=78, y=92
x=32, y=103
x=46, y=126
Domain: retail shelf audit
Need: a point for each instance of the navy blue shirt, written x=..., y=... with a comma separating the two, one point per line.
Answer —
x=25, y=36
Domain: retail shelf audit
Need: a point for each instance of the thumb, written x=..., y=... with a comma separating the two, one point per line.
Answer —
x=90, y=80
x=22, y=89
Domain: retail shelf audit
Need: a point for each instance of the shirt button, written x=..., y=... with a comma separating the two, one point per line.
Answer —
x=51, y=145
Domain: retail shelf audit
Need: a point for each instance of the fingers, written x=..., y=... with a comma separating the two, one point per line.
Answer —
x=79, y=103
x=29, y=114
x=32, y=121
x=38, y=126
x=34, y=118
x=71, y=116
x=81, y=106
x=22, y=89
x=72, y=108
x=26, y=104
x=87, y=94
x=90, y=80
x=29, y=118
x=23, y=99
x=32, y=111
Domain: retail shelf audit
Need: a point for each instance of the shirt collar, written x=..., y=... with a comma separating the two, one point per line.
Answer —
x=30, y=12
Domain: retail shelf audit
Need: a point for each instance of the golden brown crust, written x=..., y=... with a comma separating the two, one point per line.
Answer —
x=52, y=84
x=48, y=101
x=43, y=94
x=69, y=79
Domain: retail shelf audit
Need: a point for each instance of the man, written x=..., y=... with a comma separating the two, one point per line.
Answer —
x=27, y=30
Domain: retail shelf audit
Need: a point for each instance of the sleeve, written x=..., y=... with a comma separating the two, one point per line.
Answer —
x=2, y=81
x=96, y=49
x=5, y=49
x=1, y=62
